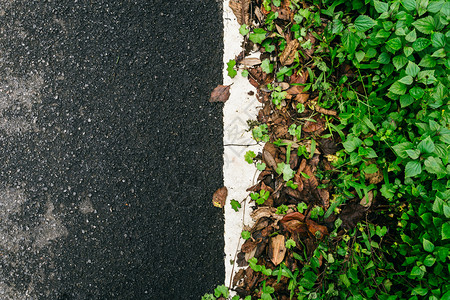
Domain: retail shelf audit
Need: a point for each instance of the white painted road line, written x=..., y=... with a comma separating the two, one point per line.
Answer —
x=238, y=174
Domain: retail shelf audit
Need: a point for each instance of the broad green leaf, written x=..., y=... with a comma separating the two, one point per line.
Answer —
x=408, y=51
x=359, y=56
x=412, y=69
x=422, y=6
x=412, y=168
x=429, y=260
x=438, y=40
x=351, y=144
x=364, y=23
x=417, y=92
x=426, y=77
x=350, y=41
x=418, y=290
x=426, y=146
x=398, y=88
x=337, y=26
x=425, y=25
x=409, y=4
x=412, y=36
x=428, y=62
x=399, y=61
x=370, y=169
x=420, y=44
x=258, y=35
x=438, y=206
x=427, y=245
x=230, y=68
x=384, y=58
x=266, y=66
x=440, y=53
x=243, y=30
x=406, y=80
x=406, y=100
x=395, y=43
x=400, y=149
x=445, y=232
x=382, y=34
x=413, y=154
x=381, y=7
x=434, y=165
x=369, y=123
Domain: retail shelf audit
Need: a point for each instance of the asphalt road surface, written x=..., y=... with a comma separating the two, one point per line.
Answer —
x=109, y=149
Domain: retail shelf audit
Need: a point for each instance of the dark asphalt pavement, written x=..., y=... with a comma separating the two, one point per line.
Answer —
x=109, y=149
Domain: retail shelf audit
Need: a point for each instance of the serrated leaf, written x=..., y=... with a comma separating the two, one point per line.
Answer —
x=422, y=6
x=412, y=36
x=441, y=53
x=426, y=146
x=399, y=61
x=350, y=41
x=434, y=165
x=409, y=4
x=438, y=40
x=408, y=51
x=428, y=62
x=413, y=168
x=359, y=56
x=380, y=7
x=382, y=34
x=425, y=25
x=400, y=149
x=406, y=80
x=351, y=144
x=427, y=245
x=266, y=66
x=384, y=58
x=420, y=44
x=398, y=88
x=406, y=100
x=445, y=232
x=370, y=169
x=412, y=69
x=395, y=43
x=417, y=92
x=364, y=23
x=243, y=30
x=426, y=77
x=413, y=154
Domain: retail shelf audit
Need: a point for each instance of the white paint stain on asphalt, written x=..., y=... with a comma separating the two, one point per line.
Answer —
x=238, y=174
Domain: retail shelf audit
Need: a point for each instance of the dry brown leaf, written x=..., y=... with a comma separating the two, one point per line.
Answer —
x=240, y=10
x=277, y=249
x=302, y=98
x=300, y=78
x=324, y=111
x=250, y=61
x=313, y=228
x=220, y=94
x=269, y=159
x=220, y=197
x=366, y=202
x=288, y=55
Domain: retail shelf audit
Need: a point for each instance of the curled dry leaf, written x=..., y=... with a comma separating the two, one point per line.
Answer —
x=277, y=249
x=288, y=55
x=250, y=61
x=220, y=197
x=329, y=112
x=220, y=94
x=240, y=10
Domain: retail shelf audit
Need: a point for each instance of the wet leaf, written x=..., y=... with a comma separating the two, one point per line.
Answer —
x=220, y=197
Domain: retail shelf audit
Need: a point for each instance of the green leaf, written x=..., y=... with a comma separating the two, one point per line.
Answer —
x=246, y=234
x=440, y=53
x=409, y=4
x=221, y=290
x=412, y=69
x=406, y=100
x=406, y=80
x=422, y=7
x=412, y=168
x=350, y=41
x=417, y=92
x=412, y=36
x=249, y=155
x=364, y=23
x=381, y=34
x=395, y=43
x=261, y=166
x=419, y=291
x=428, y=62
x=380, y=7
x=266, y=66
x=243, y=30
x=235, y=205
x=370, y=169
x=244, y=73
x=429, y=260
x=427, y=245
x=230, y=68
x=399, y=61
x=384, y=58
x=413, y=154
x=258, y=35
x=425, y=25
x=351, y=144
x=434, y=165
x=420, y=44
x=438, y=40
x=359, y=56
x=445, y=231
x=426, y=77
x=400, y=149
x=426, y=146
x=398, y=88
x=408, y=51
x=286, y=170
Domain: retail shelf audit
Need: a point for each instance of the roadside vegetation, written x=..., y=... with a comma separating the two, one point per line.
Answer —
x=353, y=197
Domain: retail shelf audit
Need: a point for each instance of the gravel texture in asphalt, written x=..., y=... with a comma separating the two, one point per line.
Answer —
x=109, y=149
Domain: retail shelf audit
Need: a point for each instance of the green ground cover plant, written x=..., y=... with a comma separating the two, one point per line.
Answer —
x=377, y=87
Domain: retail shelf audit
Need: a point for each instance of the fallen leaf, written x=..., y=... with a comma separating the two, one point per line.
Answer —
x=324, y=111
x=250, y=61
x=366, y=202
x=313, y=228
x=352, y=214
x=220, y=94
x=288, y=55
x=240, y=10
x=220, y=197
x=277, y=249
